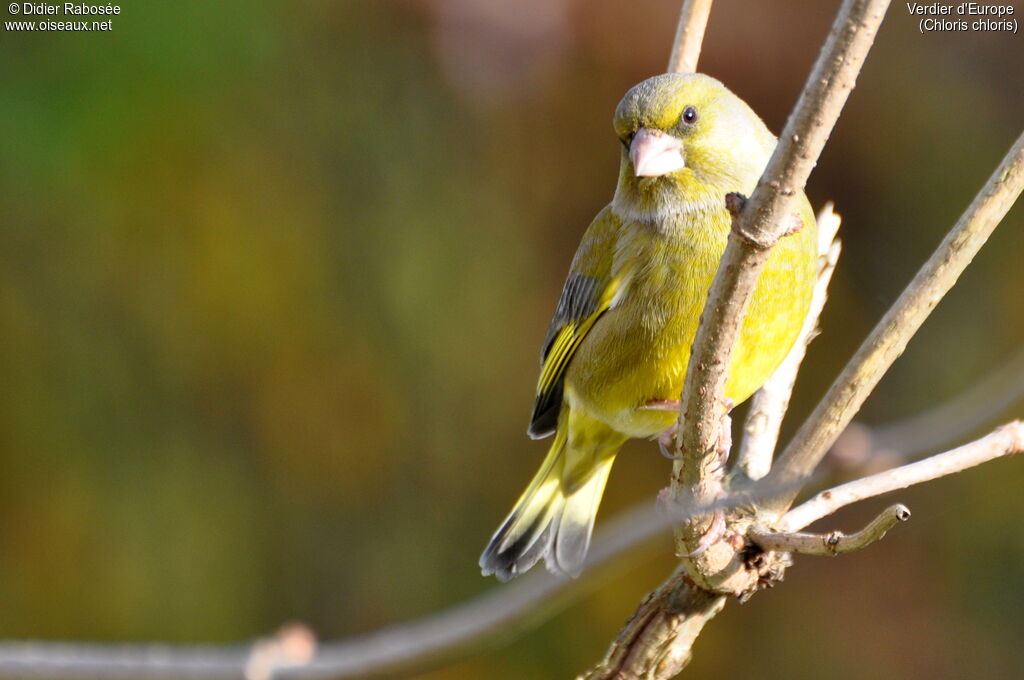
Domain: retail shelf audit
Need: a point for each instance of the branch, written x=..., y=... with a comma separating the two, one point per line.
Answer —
x=1007, y=440
x=436, y=639
x=414, y=646
x=498, y=615
x=656, y=642
x=769, y=405
x=890, y=337
x=954, y=419
x=693, y=20
x=397, y=650
x=833, y=543
x=462, y=630
x=659, y=638
x=757, y=225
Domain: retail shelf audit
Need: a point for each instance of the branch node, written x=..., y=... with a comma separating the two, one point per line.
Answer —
x=734, y=202
x=770, y=567
x=1006, y=440
x=891, y=335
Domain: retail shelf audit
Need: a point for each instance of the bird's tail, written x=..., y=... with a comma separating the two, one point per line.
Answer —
x=554, y=517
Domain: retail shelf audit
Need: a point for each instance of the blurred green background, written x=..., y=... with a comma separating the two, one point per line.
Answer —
x=273, y=279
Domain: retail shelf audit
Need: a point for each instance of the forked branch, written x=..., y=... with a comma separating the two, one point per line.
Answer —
x=757, y=225
x=657, y=641
x=1007, y=440
x=768, y=406
x=832, y=543
x=890, y=337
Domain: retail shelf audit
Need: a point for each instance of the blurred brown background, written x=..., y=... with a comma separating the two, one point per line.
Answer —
x=273, y=279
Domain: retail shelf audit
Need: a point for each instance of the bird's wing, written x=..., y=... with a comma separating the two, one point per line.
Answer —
x=588, y=292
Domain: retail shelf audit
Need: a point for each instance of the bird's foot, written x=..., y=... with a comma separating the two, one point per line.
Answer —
x=667, y=439
x=667, y=442
x=715, y=531
x=795, y=224
x=714, y=534
x=724, y=445
x=665, y=502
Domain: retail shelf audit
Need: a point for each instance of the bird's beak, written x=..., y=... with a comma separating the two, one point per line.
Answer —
x=655, y=153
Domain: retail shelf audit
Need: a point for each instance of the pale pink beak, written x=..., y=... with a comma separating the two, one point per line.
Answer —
x=655, y=153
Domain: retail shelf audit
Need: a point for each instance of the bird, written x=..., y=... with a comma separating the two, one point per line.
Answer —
x=615, y=355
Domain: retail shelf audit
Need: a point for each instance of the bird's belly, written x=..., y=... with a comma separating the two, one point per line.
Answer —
x=626, y=363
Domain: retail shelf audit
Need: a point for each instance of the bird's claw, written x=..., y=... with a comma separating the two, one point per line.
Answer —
x=667, y=441
x=724, y=441
x=714, y=534
x=665, y=501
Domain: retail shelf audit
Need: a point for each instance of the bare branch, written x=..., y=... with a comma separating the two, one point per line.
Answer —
x=890, y=337
x=144, y=661
x=657, y=640
x=757, y=225
x=396, y=650
x=1006, y=440
x=435, y=639
x=958, y=417
x=833, y=543
x=769, y=405
x=693, y=20
x=413, y=646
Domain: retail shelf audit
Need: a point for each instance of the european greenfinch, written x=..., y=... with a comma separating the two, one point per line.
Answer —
x=615, y=355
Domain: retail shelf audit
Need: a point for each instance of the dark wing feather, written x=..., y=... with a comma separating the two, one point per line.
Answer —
x=586, y=295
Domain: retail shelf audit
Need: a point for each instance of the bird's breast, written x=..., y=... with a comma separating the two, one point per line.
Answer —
x=638, y=350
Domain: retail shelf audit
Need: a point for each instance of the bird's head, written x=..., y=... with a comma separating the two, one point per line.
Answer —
x=686, y=142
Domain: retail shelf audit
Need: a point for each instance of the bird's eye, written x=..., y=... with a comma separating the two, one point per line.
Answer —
x=689, y=115
x=627, y=140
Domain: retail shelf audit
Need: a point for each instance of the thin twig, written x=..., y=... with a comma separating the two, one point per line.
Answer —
x=693, y=20
x=890, y=337
x=414, y=646
x=863, y=449
x=482, y=622
x=769, y=405
x=966, y=411
x=1006, y=440
x=397, y=650
x=756, y=228
x=833, y=543
x=676, y=623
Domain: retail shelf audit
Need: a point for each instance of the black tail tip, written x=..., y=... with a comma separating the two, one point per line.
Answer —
x=515, y=559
